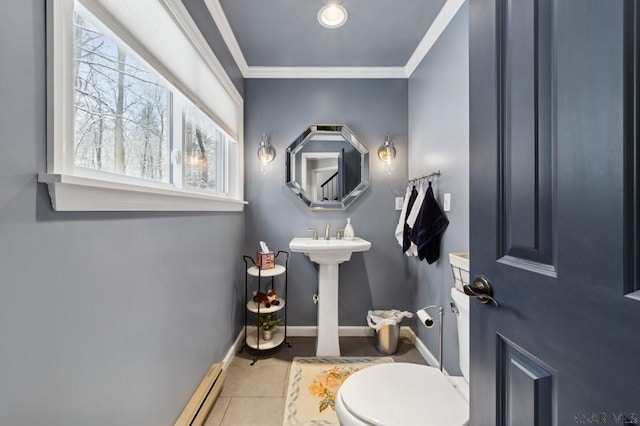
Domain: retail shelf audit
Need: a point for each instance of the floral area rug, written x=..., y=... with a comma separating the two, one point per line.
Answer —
x=313, y=385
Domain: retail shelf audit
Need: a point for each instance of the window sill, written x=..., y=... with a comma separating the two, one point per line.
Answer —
x=73, y=193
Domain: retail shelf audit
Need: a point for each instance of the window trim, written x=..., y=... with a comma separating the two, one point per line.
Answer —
x=71, y=191
x=76, y=193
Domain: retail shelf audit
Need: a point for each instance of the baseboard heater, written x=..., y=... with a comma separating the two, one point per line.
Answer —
x=198, y=407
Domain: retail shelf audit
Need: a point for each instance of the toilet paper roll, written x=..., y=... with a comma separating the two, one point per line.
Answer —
x=425, y=318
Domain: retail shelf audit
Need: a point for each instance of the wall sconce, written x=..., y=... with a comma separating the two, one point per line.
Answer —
x=266, y=152
x=387, y=152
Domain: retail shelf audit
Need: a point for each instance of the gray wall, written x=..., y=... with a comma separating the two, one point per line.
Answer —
x=439, y=140
x=371, y=108
x=105, y=318
x=201, y=16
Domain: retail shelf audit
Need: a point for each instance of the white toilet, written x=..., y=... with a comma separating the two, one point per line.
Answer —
x=402, y=394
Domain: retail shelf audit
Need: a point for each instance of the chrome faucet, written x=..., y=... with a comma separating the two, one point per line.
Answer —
x=327, y=231
x=315, y=232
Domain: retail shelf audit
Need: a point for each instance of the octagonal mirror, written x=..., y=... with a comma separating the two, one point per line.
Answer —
x=327, y=167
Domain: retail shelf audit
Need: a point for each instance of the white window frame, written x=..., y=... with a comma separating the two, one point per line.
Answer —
x=74, y=189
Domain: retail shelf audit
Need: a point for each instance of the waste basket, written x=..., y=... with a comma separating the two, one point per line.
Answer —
x=387, y=327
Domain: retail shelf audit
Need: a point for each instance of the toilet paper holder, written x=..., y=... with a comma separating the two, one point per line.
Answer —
x=428, y=322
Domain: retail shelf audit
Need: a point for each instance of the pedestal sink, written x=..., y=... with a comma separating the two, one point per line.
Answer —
x=328, y=254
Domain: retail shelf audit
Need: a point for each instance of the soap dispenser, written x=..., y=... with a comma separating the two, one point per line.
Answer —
x=348, y=230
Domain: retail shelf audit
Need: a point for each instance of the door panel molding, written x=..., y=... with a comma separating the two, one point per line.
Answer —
x=526, y=389
x=527, y=265
x=526, y=148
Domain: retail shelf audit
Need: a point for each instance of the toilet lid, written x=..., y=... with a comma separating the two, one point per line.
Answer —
x=404, y=394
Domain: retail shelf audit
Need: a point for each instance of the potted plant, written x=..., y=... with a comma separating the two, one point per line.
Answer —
x=268, y=323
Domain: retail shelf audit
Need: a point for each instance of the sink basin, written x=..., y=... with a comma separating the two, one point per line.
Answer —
x=328, y=254
x=328, y=251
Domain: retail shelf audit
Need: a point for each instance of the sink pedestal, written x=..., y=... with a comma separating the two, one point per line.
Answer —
x=327, y=343
x=328, y=254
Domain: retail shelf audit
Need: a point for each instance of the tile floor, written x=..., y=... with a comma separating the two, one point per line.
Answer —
x=254, y=395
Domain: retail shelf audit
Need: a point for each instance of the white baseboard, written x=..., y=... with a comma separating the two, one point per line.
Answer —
x=407, y=333
x=421, y=348
x=345, y=331
x=233, y=350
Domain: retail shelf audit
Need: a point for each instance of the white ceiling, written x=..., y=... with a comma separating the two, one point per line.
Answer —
x=283, y=39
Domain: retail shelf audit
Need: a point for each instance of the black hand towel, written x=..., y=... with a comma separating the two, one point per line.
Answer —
x=429, y=227
x=406, y=242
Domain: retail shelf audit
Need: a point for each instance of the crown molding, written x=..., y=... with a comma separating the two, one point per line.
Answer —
x=436, y=29
x=221, y=21
x=326, y=72
x=448, y=11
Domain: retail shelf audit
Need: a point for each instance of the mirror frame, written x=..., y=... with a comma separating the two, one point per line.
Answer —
x=306, y=136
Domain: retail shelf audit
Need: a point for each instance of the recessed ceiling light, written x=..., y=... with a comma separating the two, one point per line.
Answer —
x=332, y=16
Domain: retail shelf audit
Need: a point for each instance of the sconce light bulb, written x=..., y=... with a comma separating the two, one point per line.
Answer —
x=266, y=152
x=387, y=152
x=265, y=155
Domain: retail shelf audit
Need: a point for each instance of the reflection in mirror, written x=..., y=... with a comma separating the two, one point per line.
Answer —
x=327, y=167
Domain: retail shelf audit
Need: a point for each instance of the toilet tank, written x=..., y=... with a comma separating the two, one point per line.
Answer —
x=462, y=303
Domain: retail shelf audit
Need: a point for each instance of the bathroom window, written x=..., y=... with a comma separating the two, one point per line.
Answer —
x=121, y=107
x=140, y=117
x=205, y=152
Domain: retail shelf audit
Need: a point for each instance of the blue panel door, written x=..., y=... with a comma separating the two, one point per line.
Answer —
x=554, y=217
